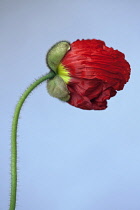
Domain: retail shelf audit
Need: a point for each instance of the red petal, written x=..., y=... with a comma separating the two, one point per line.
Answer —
x=89, y=94
x=91, y=59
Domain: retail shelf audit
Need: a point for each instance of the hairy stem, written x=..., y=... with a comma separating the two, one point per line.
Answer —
x=14, y=137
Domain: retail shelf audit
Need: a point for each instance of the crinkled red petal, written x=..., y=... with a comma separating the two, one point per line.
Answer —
x=89, y=94
x=92, y=59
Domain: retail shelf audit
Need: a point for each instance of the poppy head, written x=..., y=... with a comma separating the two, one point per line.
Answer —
x=88, y=73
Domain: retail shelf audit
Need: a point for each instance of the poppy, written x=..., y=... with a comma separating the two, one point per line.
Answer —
x=88, y=73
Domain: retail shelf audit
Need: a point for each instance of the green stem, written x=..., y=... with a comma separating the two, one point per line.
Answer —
x=14, y=137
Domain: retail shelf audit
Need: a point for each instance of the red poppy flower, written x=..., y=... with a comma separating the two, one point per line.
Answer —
x=92, y=73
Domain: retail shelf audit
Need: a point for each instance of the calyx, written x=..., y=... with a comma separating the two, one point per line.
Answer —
x=57, y=88
x=56, y=53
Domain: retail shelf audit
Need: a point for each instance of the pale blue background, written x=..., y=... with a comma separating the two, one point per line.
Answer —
x=69, y=159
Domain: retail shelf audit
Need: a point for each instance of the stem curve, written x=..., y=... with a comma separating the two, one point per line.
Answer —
x=13, y=193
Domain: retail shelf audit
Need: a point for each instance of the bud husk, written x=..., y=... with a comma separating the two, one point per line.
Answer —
x=57, y=88
x=56, y=53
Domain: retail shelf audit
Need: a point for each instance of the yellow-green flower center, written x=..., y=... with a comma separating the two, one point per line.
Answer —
x=63, y=73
